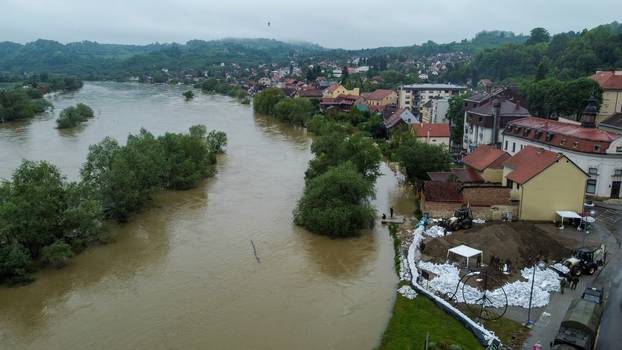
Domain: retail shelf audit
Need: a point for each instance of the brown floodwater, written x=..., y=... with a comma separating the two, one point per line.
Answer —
x=182, y=274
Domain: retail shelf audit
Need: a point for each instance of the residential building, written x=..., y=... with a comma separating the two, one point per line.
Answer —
x=310, y=93
x=543, y=182
x=335, y=90
x=483, y=124
x=611, y=83
x=612, y=123
x=487, y=162
x=442, y=198
x=431, y=133
x=401, y=118
x=414, y=96
x=597, y=152
x=380, y=97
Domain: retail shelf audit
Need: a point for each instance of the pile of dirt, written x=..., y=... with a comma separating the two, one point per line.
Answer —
x=518, y=243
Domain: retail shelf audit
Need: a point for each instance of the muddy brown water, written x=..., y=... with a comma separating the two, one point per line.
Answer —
x=182, y=274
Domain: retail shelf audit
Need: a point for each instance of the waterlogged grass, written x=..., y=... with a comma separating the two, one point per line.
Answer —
x=413, y=319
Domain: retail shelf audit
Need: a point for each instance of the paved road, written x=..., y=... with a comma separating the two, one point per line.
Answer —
x=547, y=324
x=611, y=324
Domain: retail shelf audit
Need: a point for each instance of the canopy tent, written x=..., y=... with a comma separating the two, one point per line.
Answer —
x=465, y=251
x=567, y=214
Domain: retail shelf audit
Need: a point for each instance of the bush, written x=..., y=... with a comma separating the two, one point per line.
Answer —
x=265, y=101
x=71, y=116
x=336, y=203
x=57, y=254
x=14, y=261
x=189, y=95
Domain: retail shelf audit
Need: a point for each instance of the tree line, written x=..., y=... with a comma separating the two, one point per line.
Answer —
x=225, y=88
x=563, y=56
x=45, y=219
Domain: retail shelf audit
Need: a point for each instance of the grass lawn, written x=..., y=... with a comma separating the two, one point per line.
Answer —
x=504, y=328
x=412, y=319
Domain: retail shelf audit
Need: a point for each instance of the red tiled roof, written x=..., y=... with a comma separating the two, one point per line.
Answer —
x=484, y=157
x=332, y=88
x=439, y=175
x=467, y=175
x=378, y=94
x=608, y=80
x=437, y=191
x=507, y=108
x=529, y=162
x=562, y=135
x=310, y=93
x=434, y=129
x=614, y=121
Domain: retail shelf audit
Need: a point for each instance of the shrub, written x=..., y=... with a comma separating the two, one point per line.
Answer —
x=57, y=254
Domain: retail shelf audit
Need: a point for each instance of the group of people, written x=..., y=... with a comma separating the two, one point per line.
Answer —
x=570, y=281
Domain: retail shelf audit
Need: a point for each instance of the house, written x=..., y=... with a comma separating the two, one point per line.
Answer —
x=487, y=162
x=380, y=97
x=442, y=198
x=431, y=133
x=611, y=83
x=400, y=118
x=612, y=123
x=414, y=96
x=597, y=152
x=335, y=90
x=310, y=93
x=483, y=124
x=342, y=102
x=544, y=182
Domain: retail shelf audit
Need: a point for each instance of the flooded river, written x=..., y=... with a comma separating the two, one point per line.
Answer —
x=182, y=274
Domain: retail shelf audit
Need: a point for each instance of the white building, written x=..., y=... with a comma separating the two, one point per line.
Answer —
x=597, y=152
x=414, y=96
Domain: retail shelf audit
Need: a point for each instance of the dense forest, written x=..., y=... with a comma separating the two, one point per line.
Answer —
x=91, y=60
x=562, y=56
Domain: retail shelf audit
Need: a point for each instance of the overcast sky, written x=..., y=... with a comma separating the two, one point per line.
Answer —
x=345, y=24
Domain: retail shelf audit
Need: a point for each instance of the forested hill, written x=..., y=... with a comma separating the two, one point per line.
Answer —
x=93, y=60
x=562, y=56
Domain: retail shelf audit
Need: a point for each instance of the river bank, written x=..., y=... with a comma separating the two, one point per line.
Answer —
x=182, y=274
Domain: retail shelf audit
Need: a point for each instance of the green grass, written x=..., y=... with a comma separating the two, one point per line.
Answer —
x=412, y=319
x=504, y=328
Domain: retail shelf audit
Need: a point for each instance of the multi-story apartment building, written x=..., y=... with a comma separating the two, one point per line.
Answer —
x=414, y=96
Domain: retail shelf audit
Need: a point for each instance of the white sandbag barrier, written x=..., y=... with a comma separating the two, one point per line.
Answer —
x=484, y=336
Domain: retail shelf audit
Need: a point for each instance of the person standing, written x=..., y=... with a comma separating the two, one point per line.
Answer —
x=391, y=212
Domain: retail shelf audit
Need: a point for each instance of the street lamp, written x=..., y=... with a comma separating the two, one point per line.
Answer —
x=540, y=265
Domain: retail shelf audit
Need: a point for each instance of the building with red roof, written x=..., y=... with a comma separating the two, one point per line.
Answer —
x=544, y=182
x=487, y=162
x=431, y=133
x=597, y=152
x=611, y=83
x=380, y=97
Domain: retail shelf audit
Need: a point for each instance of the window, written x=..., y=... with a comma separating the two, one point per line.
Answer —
x=509, y=183
x=617, y=172
x=526, y=131
x=506, y=145
x=591, y=186
x=619, y=149
x=518, y=186
x=538, y=134
x=575, y=144
x=592, y=171
x=596, y=148
x=549, y=136
x=563, y=141
x=521, y=146
x=513, y=147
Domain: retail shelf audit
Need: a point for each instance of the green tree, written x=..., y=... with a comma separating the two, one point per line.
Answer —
x=189, y=95
x=72, y=116
x=335, y=148
x=336, y=203
x=538, y=35
x=14, y=262
x=216, y=141
x=418, y=158
x=57, y=254
x=294, y=110
x=265, y=101
x=455, y=114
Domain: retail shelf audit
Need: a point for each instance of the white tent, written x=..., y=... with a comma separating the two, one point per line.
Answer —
x=567, y=214
x=465, y=251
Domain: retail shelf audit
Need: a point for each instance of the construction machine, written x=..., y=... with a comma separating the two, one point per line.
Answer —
x=586, y=260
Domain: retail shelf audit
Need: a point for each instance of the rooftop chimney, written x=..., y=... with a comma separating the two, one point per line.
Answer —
x=588, y=118
x=496, y=110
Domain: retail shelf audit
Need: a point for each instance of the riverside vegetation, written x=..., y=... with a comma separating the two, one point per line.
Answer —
x=45, y=219
x=72, y=116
